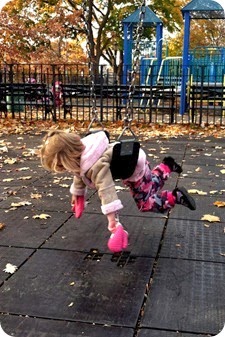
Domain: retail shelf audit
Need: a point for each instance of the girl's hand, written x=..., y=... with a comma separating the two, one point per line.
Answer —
x=112, y=222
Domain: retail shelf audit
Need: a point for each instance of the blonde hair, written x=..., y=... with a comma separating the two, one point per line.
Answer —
x=61, y=151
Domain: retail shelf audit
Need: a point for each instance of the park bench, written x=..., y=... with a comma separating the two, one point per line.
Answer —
x=145, y=97
x=17, y=97
x=206, y=98
x=37, y=97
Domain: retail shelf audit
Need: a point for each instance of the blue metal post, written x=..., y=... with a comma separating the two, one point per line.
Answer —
x=159, y=41
x=127, y=47
x=183, y=99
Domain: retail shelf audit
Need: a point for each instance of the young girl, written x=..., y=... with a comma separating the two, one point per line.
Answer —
x=89, y=159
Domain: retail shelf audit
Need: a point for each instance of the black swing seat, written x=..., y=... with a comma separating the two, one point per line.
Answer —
x=124, y=158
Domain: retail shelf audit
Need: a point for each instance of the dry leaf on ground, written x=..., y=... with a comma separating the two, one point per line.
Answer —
x=194, y=191
x=210, y=218
x=21, y=203
x=10, y=268
x=36, y=196
x=41, y=216
x=10, y=161
x=2, y=225
x=219, y=203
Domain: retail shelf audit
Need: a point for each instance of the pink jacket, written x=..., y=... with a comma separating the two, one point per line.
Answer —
x=95, y=171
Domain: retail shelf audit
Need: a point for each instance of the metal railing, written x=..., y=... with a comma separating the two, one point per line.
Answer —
x=63, y=91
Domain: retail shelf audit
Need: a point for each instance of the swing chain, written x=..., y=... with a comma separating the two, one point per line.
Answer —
x=91, y=68
x=136, y=60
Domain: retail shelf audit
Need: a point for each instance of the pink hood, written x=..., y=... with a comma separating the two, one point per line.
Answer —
x=95, y=145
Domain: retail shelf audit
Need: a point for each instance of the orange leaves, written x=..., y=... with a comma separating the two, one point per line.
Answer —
x=2, y=225
x=143, y=130
x=219, y=203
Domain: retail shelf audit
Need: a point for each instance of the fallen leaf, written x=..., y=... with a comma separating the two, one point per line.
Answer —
x=10, y=161
x=10, y=268
x=71, y=304
x=64, y=185
x=213, y=192
x=25, y=178
x=219, y=203
x=41, y=216
x=3, y=149
x=36, y=196
x=222, y=171
x=23, y=169
x=21, y=203
x=7, y=179
x=210, y=218
x=194, y=191
x=2, y=225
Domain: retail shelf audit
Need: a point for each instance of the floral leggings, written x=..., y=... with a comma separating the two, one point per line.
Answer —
x=146, y=191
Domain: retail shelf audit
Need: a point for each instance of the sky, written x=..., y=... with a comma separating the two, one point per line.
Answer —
x=221, y=2
x=3, y=2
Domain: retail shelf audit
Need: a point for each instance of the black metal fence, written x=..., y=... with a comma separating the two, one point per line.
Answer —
x=63, y=91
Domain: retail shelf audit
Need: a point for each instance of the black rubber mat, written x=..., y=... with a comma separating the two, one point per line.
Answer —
x=73, y=286
x=36, y=327
x=202, y=171
x=48, y=199
x=187, y=296
x=188, y=239
x=160, y=333
x=91, y=232
x=204, y=205
x=213, y=186
x=12, y=256
x=22, y=230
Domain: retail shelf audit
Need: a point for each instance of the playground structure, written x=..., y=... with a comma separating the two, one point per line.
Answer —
x=202, y=67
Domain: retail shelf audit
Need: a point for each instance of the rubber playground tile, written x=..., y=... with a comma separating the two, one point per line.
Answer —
x=188, y=239
x=212, y=146
x=72, y=286
x=196, y=171
x=90, y=232
x=20, y=176
x=160, y=333
x=186, y=296
x=22, y=230
x=212, y=186
x=203, y=161
x=39, y=198
x=14, y=256
x=33, y=327
x=204, y=205
x=6, y=191
x=54, y=179
x=204, y=158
